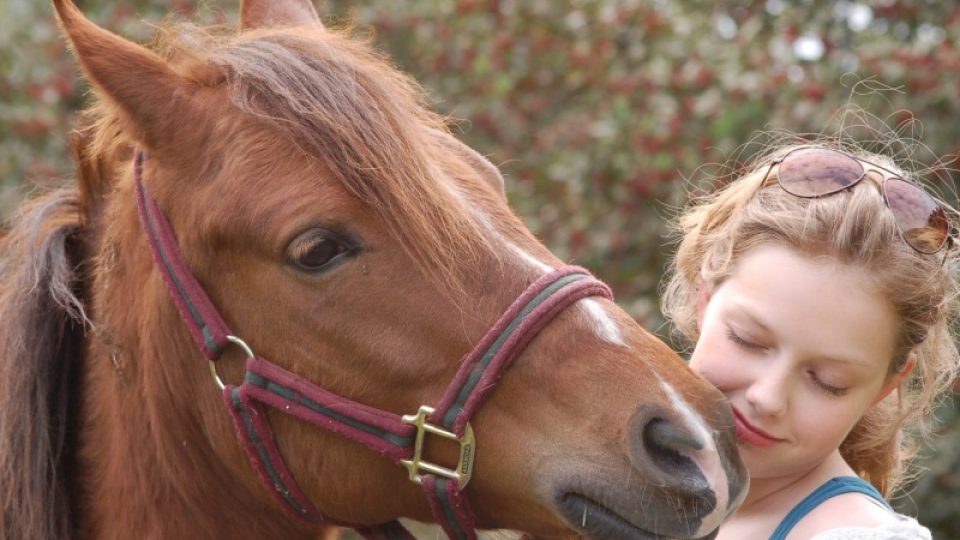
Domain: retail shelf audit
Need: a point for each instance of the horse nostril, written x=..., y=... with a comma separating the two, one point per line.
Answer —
x=663, y=433
x=668, y=444
x=681, y=465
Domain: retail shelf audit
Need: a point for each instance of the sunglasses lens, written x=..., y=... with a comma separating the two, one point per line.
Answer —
x=923, y=223
x=815, y=172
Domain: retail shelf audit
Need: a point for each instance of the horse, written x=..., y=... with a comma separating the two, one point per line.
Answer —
x=283, y=298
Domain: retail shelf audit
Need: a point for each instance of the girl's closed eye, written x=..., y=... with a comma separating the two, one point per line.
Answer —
x=745, y=343
x=831, y=389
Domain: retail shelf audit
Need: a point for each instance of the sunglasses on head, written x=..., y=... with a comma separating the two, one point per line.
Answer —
x=811, y=172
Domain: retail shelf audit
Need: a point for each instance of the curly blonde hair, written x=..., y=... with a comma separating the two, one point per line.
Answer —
x=856, y=228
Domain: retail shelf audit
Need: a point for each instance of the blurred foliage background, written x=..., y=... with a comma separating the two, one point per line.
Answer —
x=604, y=115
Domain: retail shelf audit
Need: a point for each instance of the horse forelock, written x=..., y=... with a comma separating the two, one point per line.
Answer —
x=340, y=104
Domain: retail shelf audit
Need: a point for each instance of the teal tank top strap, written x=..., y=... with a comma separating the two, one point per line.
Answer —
x=830, y=488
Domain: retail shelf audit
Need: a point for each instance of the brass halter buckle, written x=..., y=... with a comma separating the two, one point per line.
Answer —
x=417, y=465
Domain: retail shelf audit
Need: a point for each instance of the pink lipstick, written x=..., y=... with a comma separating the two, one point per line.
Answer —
x=750, y=434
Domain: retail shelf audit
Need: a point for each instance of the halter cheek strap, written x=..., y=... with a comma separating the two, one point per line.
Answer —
x=202, y=318
x=399, y=438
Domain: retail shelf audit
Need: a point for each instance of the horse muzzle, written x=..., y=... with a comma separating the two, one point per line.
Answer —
x=680, y=484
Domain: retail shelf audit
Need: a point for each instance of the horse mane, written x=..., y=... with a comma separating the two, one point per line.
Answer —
x=42, y=322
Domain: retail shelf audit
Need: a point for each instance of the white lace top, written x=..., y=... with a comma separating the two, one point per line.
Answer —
x=906, y=528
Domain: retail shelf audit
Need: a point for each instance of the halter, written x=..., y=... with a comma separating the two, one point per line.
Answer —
x=400, y=438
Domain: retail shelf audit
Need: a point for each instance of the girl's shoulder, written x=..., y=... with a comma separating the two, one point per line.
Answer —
x=854, y=516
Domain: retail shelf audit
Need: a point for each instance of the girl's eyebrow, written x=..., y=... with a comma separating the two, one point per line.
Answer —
x=746, y=312
x=848, y=361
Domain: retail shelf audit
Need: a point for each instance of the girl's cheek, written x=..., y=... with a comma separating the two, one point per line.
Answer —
x=709, y=373
x=723, y=375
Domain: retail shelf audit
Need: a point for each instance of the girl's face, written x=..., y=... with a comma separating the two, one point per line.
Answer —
x=802, y=347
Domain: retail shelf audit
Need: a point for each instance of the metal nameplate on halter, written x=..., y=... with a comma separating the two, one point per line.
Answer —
x=417, y=465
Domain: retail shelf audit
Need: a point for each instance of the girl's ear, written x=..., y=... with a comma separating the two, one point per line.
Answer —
x=897, y=379
x=703, y=298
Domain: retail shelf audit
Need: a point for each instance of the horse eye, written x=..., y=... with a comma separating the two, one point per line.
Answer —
x=316, y=251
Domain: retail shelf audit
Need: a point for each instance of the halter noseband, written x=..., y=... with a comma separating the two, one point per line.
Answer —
x=397, y=437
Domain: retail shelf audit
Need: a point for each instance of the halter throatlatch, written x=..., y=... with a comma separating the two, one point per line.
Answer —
x=399, y=438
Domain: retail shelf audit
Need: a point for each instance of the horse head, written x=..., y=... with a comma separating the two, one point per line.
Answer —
x=359, y=255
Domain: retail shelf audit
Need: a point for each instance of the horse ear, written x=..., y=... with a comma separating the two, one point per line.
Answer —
x=154, y=98
x=266, y=13
x=488, y=171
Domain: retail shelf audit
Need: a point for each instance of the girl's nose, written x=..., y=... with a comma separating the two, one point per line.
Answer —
x=768, y=393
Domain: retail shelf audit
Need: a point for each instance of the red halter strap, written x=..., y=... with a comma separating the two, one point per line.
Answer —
x=397, y=437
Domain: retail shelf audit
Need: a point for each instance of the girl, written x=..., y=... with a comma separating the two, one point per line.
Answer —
x=819, y=289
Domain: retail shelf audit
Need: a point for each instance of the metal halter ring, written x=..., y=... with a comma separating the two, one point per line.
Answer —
x=213, y=365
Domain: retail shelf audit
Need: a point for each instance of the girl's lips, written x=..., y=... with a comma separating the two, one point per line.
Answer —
x=752, y=435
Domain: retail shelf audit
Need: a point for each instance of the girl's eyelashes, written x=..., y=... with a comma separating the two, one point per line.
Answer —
x=828, y=388
x=732, y=336
x=819, y=384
